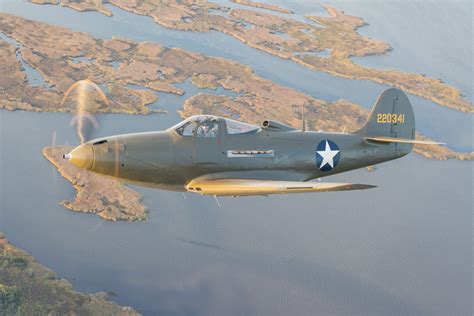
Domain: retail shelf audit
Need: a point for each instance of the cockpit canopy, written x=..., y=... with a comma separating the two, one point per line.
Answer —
x=208, y=126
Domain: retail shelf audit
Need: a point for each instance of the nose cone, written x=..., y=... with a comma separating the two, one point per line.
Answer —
x=82, y=156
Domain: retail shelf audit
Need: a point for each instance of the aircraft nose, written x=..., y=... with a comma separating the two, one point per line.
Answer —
x=82, y=156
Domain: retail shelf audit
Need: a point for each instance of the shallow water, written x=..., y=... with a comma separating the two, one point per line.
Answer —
x=403, y=248
x=33, y=77
x=445, y=52
x=173, y=102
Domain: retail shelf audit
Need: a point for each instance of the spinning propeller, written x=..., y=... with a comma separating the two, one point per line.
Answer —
x=86, y=94
x=85, y=98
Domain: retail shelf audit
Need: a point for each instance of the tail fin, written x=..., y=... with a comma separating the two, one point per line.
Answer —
x=392, y=121
x=391, y=117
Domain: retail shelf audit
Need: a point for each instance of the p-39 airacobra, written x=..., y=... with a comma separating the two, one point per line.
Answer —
x=211, y=155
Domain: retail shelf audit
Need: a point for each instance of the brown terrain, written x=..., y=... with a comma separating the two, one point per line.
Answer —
x=289, y=39
x=97, y=194
x=263, y=6
x=52, y=50
x=28, y=288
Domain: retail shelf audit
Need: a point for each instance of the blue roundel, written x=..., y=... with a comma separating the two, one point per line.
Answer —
x=327, y=155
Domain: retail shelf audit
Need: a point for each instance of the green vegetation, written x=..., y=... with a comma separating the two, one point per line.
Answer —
x=28, y=288
x=8, y=260
x=9, y=298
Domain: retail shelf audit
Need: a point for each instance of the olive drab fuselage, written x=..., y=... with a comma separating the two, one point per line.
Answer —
x=169, y=160
x=207, y=150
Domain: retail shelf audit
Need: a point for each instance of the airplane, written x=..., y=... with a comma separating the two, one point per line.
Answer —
x=216, y=156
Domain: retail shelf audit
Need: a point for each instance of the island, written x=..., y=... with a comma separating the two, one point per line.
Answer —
x=134, y=72
x=28, y=288
x=289, y=39
x=98, y=194
x=262, y=5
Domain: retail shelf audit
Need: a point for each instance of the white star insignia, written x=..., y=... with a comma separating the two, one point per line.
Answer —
x=328, y=156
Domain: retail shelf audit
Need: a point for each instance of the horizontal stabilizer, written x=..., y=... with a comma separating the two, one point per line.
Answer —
x=401, y=140
x=248, y=187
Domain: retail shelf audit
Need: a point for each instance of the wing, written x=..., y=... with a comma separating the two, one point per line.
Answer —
x=247, y=187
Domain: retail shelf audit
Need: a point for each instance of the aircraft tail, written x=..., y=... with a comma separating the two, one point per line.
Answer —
x=391, y=116
x=392, y=121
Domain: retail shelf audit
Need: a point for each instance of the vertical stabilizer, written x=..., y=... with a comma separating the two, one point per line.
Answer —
x=391, y=121
x=391, y=116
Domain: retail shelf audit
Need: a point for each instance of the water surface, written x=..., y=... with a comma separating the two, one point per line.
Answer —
x=402, y=248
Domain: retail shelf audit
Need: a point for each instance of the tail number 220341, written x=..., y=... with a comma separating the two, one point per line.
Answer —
x=384, y=118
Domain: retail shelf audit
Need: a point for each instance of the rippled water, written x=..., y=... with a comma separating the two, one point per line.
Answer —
x=405, y=247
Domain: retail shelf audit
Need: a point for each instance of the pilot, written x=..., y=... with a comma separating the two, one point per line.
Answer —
x=203, y=130
x=207, y=130
x=212, y=130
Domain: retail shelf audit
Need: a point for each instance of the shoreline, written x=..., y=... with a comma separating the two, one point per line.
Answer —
x=262, y=5
x=348, y=43
x=104, y=196
x=27, y=288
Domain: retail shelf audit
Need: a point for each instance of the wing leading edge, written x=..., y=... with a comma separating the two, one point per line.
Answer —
x=248, y=187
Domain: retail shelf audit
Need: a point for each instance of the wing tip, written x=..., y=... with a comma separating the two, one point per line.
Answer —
x=359, y=186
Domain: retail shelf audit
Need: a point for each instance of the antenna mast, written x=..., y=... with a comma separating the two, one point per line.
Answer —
x=303, y=119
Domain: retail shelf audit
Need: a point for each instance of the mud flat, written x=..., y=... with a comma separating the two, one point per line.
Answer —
x=56, y=61
x=28, y=288
x=291, y=39
x=104, y=196
x=261, y=5
x=76, y=5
